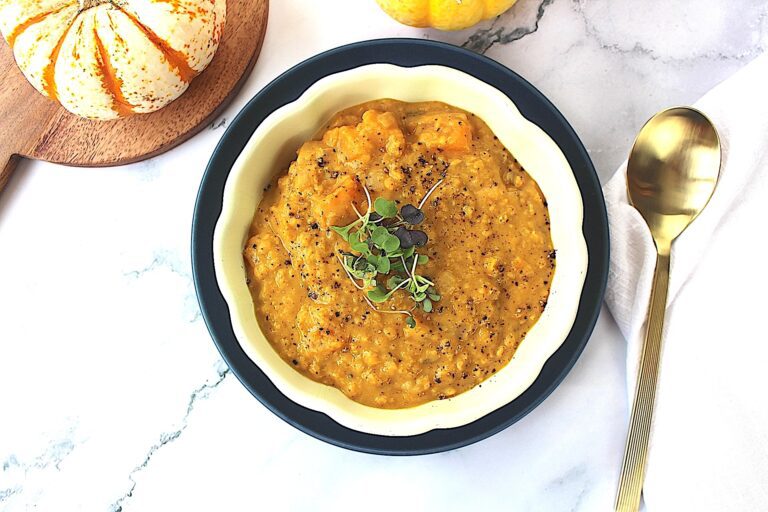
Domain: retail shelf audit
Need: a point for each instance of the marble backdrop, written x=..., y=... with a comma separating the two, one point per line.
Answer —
x=112, y=395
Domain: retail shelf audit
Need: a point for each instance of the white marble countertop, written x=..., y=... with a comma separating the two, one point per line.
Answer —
x=112, y=395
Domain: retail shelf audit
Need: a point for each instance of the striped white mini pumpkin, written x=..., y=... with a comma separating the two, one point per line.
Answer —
x=105, y=59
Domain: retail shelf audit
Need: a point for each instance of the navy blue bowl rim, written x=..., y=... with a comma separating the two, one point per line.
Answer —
x=288, y=87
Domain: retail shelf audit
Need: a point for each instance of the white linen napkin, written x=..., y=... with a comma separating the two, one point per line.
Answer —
x=709, y=442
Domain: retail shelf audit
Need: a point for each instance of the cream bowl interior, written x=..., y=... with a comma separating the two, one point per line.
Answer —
x=273, y=146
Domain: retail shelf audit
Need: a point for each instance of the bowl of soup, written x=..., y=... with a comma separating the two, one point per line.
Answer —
x=487, y=217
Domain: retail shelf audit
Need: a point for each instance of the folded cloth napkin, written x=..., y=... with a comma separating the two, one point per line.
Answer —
x=709, y=441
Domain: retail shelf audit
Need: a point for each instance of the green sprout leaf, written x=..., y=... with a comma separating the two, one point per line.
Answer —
x=359, y=246
x=394, y=281
x=391, y=243
x=385, y=207
x=426, y=305
x=378, y=294
x=379, y=235
x=342, y=232
x=410, y=322
x=423, y=258
x=383, y=265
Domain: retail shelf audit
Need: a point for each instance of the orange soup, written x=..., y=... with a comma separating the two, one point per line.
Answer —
x=485, y=263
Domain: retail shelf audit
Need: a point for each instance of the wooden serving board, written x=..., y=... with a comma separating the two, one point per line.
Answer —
x=32, y=126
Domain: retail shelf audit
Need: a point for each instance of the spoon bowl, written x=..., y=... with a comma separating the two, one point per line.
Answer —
x=672, y=170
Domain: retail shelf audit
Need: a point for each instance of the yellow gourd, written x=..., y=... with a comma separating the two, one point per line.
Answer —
x=444, y=14
x=104, y=59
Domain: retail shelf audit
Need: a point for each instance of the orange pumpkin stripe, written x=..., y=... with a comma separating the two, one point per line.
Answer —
x=111, y=81
x=31, y=21
x=174, y=57
x=49, y=80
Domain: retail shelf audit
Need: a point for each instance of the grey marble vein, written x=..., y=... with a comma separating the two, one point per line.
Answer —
x=7, y=493
x=574, y=477
x=200, y=393
x=52, y=456
x=484, y=39
x=10, y=461
x=637, y=48
x=168, y=261
x=161, y=259
x=219, y=124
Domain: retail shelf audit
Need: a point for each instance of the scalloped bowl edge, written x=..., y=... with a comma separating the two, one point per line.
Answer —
x=272, y=147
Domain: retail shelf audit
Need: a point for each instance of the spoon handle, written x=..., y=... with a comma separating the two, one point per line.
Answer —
x=633, y=468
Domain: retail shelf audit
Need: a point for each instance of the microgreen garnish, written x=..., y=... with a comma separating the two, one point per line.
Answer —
x=411, y=214
x=385, y=207
x=383, y=257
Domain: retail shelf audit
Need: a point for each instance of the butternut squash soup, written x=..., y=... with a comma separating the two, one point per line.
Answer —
x=402, y=257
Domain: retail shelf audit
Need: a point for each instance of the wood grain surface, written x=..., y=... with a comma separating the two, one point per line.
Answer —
x=32, y=126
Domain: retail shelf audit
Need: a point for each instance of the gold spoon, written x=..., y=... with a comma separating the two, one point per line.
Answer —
x=671, y=174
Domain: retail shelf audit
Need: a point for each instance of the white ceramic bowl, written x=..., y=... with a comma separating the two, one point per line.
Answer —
x=273, y=146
